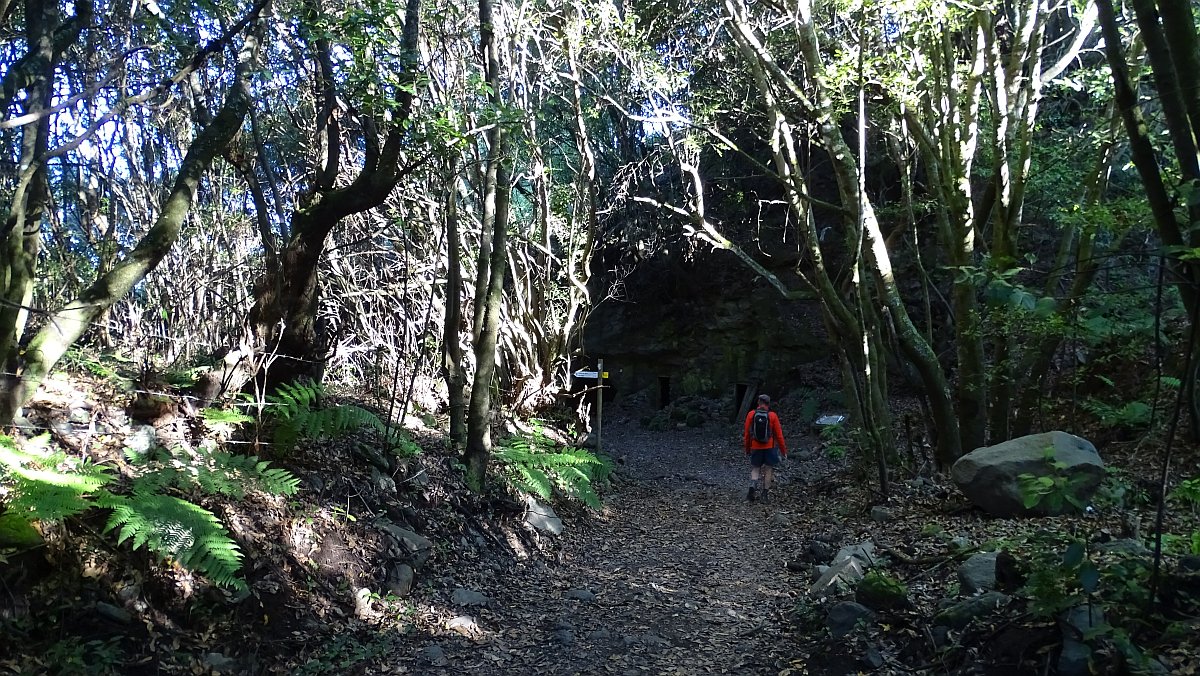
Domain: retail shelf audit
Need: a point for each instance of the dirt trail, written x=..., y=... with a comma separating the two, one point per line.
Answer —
x=679, y=575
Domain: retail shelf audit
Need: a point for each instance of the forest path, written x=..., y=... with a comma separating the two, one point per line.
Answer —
x=678, y=575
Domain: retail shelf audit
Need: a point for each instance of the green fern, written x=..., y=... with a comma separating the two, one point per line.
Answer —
x=45, y=484
x=533, y=463
x=296, y=417
x=1133, y=414
x=177, y=530
x=216, y=473
x=219, y=416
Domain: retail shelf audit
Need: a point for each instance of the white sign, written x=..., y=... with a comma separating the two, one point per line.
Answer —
x=587, y=374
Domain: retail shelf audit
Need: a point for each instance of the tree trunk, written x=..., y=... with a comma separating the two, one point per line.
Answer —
x=497, y=193
x=453, y=367
x=20, y=230
x=283, y=318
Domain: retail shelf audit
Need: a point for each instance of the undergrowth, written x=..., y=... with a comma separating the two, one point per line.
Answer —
x=534, y=463
x=41, y=483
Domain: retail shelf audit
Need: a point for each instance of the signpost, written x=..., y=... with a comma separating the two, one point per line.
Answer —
x=599, y=375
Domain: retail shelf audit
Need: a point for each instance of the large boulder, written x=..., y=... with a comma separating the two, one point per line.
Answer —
x=989, y=476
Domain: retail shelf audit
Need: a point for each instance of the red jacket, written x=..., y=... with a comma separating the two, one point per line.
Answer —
x=751, y=444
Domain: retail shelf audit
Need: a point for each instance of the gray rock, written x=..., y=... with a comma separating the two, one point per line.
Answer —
x=220, y=663
x=418, y=546
x=1075, y=658
x=580, y=595
x=141, y=439
x=960, y=614
x=417, y=476
x=374, y=456
x=564, y=636
x=599, y=635
x=114, y=613
x=129, y=592
x=542, y=517
x=362, y=603
x=1126, y=546
x=820, y=551
x=382, y=482
x=467, y=597
x=850, y=570
x=864, y=552
x=1190, y=564
x=988, y=476
x=80, y=416
x=960, y=543
x=434, y=655
x=978, y=573
x=654, y=640
x=881, y=592
x=780, y=519
x=874, y=657
x=464, y=625
x=880, y=514
x=845, y=616
x=400, y=580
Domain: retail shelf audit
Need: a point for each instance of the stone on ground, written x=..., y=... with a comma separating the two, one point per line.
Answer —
x=989, y=476
x=960, y=614
x=542, y=517
x=468, y=597
x=978, y=573
x=845, y=616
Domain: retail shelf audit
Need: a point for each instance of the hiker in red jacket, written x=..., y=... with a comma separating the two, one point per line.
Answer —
x=763, y=440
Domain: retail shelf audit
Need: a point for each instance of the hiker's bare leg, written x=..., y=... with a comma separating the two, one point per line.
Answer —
x=768, y=476
x=754, y=474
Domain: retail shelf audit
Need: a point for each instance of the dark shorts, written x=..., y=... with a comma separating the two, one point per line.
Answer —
x=764, y=456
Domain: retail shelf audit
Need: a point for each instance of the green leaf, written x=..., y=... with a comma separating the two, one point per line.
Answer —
x=1074, y=554
x=1089, y=578
x=225, y=416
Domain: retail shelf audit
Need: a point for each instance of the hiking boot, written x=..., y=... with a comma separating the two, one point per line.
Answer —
x=766, y=495
x=750, y=494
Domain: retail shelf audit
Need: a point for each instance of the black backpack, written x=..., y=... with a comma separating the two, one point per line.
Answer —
x=761, y=427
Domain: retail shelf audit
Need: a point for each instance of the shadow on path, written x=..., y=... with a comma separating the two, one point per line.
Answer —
x=677, y=575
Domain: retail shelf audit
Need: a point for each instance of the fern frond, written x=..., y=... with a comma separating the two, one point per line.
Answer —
x=533, y=464
x=82, y=477
x=44, y=483
x=218, y=416
x=46, y=502
x=534, y=481
x=178, y=530
x=292, y=408
x=216, y=473
x=578, y=484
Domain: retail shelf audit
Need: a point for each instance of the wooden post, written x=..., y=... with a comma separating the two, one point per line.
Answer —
x=599, y=402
